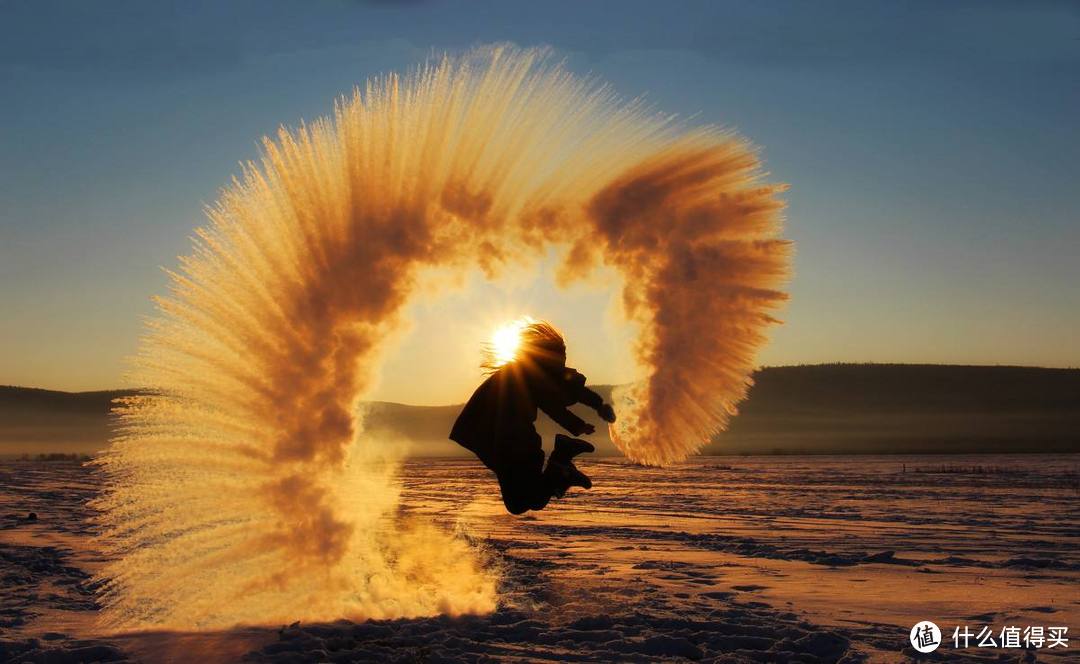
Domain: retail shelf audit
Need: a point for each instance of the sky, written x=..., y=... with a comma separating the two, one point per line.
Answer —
x=932, y=151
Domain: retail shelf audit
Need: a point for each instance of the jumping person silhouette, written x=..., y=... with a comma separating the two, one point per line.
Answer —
x=497, y=424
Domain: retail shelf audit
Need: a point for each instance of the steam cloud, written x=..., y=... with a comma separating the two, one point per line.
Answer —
x=242, y=487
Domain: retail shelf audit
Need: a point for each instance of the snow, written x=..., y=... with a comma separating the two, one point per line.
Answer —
x=756, y=559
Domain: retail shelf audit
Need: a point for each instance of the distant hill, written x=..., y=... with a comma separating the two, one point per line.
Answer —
x=34, y=421
x=888, y=408
x=831, y=408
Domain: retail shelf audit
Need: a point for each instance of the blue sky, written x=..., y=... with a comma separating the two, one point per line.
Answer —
x=932, y=150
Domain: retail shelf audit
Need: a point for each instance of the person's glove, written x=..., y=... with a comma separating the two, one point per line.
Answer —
x=606, y=412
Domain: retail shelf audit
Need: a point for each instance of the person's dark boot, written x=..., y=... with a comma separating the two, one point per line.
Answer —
x=578, y=478
x=566, y=448
x=561, y=475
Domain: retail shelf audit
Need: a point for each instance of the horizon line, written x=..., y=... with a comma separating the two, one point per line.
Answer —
x=759, y=369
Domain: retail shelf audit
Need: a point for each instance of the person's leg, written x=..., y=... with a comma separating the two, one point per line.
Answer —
x=520, y=469
x=561, y=473
x=523, y=490
x=566, y=448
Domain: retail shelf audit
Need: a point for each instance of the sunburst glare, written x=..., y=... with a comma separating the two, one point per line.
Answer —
x=506, y=339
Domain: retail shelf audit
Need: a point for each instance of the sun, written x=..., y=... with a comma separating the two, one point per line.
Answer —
x=505, y=340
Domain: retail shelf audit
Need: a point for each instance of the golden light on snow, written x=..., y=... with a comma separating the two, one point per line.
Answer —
x=506, y=339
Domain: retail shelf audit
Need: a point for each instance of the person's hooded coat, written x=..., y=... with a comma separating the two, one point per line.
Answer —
x=499, y=418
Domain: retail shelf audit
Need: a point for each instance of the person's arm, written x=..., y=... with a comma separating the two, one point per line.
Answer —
x=568, y=420
x=582, y=394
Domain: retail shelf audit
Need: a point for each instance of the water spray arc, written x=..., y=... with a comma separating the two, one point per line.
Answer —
x=242, y=488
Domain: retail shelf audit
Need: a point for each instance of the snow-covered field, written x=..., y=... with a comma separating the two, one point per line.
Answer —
x=756, y=559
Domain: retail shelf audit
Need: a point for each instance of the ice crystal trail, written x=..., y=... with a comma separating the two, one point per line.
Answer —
x=241, y=486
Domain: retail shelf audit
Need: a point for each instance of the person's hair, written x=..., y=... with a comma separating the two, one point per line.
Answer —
x=539, y=342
